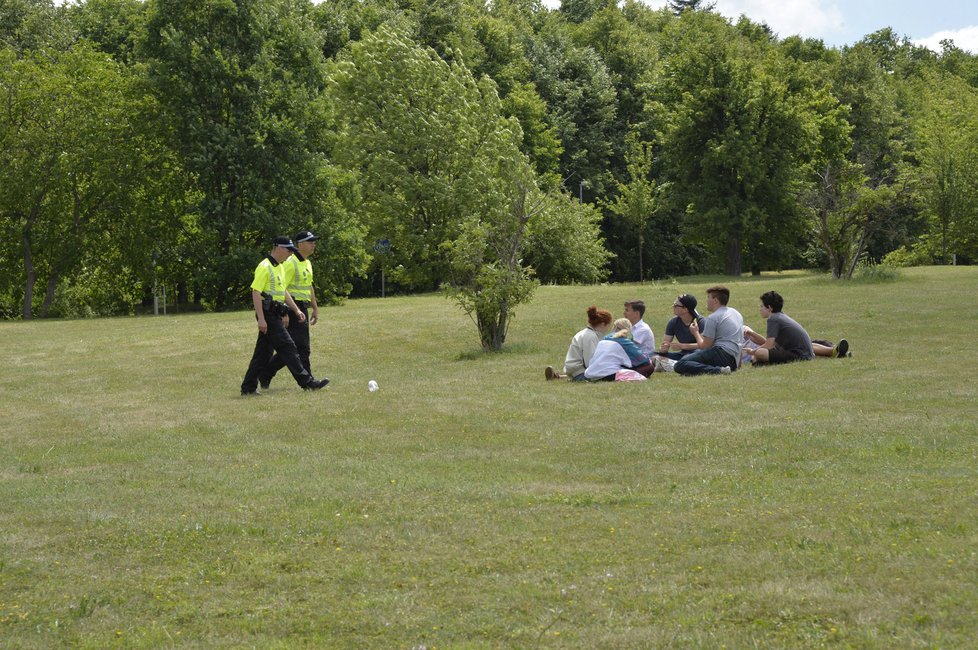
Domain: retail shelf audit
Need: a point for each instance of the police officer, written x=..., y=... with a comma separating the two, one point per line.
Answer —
x=272, y=304
x=298, y=282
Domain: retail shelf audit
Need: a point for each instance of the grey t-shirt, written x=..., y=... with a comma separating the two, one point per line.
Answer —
x=789, y=335
x=726, y=327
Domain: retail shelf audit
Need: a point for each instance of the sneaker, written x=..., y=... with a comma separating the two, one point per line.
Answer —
x=316, y=384
x=841, y=349
x=725, y=370
x=550, y=373
x=264, y=383
x=250, y=393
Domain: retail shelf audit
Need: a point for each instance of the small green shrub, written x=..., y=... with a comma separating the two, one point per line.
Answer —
x=876, y=273
x=904, y=257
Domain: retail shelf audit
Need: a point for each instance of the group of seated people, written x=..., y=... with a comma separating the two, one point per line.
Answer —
x=719, y=343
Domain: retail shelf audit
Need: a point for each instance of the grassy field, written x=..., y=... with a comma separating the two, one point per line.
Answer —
x=470, y=504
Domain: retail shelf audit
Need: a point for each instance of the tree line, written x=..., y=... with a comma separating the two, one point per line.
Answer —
x=477, y=146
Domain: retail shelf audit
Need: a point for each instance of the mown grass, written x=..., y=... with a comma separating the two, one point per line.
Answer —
x=471, y=504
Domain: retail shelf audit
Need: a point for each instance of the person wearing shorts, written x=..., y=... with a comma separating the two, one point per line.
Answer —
x=786, y=340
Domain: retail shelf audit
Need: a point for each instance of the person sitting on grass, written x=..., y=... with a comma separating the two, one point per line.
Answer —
x=641, y=332
x=720, y=343
x=786, y=340
x=615, y=352
x=582, y=346
x=678, y=337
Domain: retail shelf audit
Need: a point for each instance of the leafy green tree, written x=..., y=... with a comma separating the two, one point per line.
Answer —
x=240, y=81
x=862, y=193
x=69, y=154
x=442, y=176
x=946, y=129
x=581, y=98
x=410, y=145
x=577, y=11
x=32, y=26
x=628, y=49
x=635, y=200
x=488, y=277
x=863, y=82
x=540, y=140
x=564, y=242
x=679, y=6
x=736, y=127
x=114, y=26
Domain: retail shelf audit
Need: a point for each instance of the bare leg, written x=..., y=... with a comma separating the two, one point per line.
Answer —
x=822, y=350
x=840, y=350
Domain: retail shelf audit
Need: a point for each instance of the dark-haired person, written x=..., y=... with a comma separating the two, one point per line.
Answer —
x=678, y=336
x=720, y=342
x=272, y=304
x=641, y=332
x=786, y=340
x=582, y=346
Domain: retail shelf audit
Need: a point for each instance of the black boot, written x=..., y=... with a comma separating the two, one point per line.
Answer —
x=315, y=384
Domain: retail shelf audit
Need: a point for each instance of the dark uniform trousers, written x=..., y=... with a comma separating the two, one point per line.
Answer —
x=300, y=334
x=276, y=341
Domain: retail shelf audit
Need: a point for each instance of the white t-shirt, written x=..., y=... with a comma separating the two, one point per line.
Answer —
x=644, y=338
x=609, y=357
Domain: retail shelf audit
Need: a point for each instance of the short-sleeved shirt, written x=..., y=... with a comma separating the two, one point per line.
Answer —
x=726, y=327
x=270, y=279
x=298, y=277
x=679, y=330
x=789, y=336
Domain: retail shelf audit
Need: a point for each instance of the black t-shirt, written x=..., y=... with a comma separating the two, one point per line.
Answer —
x=679, y=330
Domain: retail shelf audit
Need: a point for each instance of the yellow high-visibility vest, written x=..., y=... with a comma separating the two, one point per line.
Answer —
x=270, y=279
x=298, y=278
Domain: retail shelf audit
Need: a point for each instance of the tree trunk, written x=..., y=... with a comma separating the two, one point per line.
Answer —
x=49, y=294
x=856, y=255
x=732, y=260
x=492, y=329
x=641, y=264
x=31, y=278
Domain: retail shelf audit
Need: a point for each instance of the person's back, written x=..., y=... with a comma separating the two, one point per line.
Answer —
x=581, y=351
x=609, y=357
x=582, y=346
x=615, y=352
